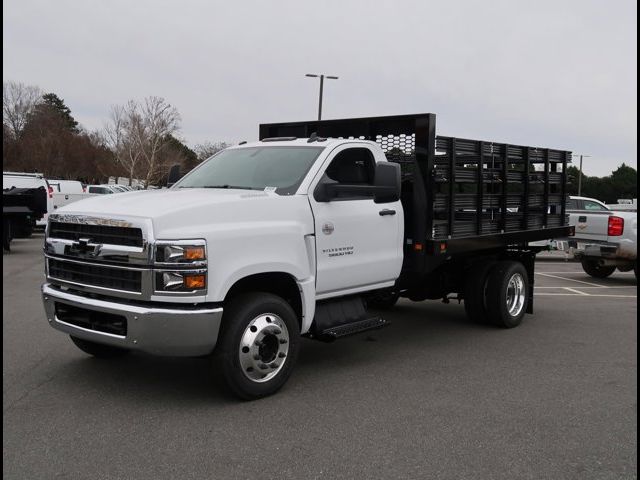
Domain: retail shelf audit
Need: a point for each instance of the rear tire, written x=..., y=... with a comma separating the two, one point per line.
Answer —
x=507, y=294
x=98, y=350
x=592, y=268
x=258, y=345
x=475, y=292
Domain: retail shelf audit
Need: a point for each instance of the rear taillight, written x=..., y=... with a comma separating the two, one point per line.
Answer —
x=616, y=226
x=50, y=191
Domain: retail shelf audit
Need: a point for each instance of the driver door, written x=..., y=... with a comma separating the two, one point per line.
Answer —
x=358, y=241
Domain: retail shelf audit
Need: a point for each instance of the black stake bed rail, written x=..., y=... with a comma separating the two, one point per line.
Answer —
x=459, y=195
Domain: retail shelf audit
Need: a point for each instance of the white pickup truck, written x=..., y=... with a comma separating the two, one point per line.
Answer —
x=604, y=239
x=287, y=237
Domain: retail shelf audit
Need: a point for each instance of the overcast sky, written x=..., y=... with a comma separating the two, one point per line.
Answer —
x=547, y=73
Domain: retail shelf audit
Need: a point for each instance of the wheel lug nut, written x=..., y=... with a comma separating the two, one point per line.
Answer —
x=263, y=366
x=274, y=365
x=283, y=340
x=276, y=331
x=256, y=357
x=282, y=355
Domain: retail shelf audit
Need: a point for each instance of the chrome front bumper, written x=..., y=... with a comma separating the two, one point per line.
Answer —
x=160, y=331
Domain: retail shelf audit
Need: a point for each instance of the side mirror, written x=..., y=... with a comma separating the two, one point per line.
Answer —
x=387, y=183
x=174, y=175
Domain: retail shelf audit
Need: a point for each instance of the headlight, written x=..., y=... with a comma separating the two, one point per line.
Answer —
x=189, y=251
x=181, y=267
x=181, y=281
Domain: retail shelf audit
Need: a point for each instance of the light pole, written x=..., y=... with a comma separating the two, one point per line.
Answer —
x=322, y=77
x=580, y=175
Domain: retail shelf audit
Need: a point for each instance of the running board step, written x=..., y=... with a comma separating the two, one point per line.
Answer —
x=352, y=328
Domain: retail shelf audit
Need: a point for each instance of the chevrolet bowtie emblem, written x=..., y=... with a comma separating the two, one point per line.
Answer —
x=84, y=245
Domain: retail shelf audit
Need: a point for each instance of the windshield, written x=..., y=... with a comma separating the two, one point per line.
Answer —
x=254, y=168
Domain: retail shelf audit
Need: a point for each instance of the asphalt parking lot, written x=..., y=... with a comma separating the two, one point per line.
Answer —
x=432, y=396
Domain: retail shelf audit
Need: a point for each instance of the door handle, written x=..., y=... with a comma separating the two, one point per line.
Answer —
x=387, y=212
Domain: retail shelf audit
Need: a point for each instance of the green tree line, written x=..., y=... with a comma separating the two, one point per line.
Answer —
x=622, y=183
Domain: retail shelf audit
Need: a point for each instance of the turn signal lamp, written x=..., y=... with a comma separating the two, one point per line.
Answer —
x=193, y=253
x=193, y=282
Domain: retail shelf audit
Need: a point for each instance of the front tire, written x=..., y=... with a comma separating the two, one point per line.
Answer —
x=592, y=268
x=258, y=345
x=98, y=350
x=507, y=294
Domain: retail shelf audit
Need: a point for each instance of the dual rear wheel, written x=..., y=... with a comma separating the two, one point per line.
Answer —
x=497, y=293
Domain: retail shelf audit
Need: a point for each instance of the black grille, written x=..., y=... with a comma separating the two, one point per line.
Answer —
x=92, y=320
x=94, y=275
x=127, y=236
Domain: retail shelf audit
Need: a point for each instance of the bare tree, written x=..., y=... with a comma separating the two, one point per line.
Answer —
x=122, y=134
x=207, y=149
x=158, y=121
x=18, y=102
x=137, y=133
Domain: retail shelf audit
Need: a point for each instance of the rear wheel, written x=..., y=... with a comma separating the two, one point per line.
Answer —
x=507, y=294
x=258, y=346
x=98, y=350
x=475, y=292
x=597, y=271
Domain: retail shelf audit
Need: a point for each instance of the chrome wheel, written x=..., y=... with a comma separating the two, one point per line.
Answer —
x=515, y=294
x=264, y=347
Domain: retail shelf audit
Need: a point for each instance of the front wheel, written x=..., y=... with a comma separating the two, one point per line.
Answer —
x=596, y=270
x=507, y=294
x=258, y=345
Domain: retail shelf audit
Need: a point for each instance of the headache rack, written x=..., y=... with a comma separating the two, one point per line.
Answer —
x=459, y=195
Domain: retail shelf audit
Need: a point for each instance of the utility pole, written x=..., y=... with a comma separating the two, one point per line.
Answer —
x=580, y=175
x=322, y=77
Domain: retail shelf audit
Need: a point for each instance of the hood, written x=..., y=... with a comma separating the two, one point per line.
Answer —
x=179, y=212
x=152, y=203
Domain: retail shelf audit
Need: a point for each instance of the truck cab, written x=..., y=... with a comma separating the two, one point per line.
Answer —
x=304, y=220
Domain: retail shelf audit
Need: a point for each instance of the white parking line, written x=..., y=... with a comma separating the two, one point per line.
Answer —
x=589, y=295
x=600, y=286
x=578, y=272
x=576, y=291
x=568, y=279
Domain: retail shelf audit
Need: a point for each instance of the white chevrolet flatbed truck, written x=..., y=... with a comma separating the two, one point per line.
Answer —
x=301, y=234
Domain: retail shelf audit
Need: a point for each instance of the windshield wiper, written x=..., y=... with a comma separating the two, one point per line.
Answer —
x=229, y=186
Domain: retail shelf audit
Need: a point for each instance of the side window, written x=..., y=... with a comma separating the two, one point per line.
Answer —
x=572, y=204
x=593, y=206
x=353, y=166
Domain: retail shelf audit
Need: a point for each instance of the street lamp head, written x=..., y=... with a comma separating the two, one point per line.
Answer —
x=322, y=77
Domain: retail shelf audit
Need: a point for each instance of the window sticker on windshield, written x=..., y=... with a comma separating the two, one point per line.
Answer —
x=270, y=189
